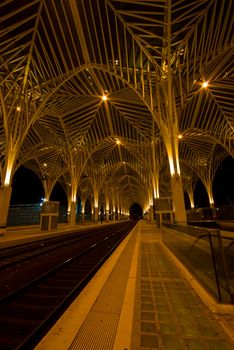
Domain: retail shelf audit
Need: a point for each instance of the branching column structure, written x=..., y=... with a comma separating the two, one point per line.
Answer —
x=155, y=166
x=170, y=135
x=15, y=112
x=113, y=198
x=150, y=196
x=171, y=132
x=48, y=182
x=5, y=196
x=154, y=174
x=76, y=165
x=72, y=195
x=206, y=169
x=189, y=183
x=118, y=207
x=14, y=126
x=83, y=197
x=96, y=184
x=107, y=202
x=18, y=109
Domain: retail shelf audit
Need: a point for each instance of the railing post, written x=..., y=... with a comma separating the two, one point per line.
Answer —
x=215, y=270
x=223, y=261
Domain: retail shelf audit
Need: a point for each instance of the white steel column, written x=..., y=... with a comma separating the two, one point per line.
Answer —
x=151, y=213
x=178, y=199
x=5, y=196
x=95, y=214
x=73, y=213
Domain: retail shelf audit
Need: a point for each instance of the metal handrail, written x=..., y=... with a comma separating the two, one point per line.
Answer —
x=219, y=261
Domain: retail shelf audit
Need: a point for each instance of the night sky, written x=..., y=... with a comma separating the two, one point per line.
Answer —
x=223, y=185
x=27, y=188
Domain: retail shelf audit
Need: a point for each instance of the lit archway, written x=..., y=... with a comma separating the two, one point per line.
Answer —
x=136, y=211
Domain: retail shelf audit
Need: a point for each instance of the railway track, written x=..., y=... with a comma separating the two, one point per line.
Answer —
x=11, y=255
x=27, y=313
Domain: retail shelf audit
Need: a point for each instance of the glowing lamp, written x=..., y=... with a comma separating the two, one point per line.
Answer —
x=205, y=84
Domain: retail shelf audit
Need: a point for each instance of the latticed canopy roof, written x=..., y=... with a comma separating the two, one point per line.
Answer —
x=149, y=58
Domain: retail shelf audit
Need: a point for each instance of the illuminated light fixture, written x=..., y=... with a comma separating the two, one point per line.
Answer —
x=172, y=169
x=43, y=200
x=118, y=142
x=18, y=109
x=7, y=179
x=180, y=136
x=104, y=98
x=45, y=165
x=205, y=84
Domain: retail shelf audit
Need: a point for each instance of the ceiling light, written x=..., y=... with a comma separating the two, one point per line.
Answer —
x=104, y=98
x=205, y=84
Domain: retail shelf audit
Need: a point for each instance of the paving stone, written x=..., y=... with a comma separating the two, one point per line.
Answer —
x=148, y=327
x=161, y=301
x=190, y=330
x=168, y=328
x=159, y=293
x=146, y=292
x=180, y=308
x=218, y=345
x=149, y=341
x=163, y=308
x=146, y=299
x=165, y=317
x=210, y=332
x=185, y=319
x=147, y=307
x=171, y=343
x=195, y=344
x=148, y=316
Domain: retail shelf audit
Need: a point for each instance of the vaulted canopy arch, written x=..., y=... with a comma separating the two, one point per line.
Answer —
x=150, y=59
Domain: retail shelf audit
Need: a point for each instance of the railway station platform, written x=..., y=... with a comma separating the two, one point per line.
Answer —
x=20, y=234
x=142, y=298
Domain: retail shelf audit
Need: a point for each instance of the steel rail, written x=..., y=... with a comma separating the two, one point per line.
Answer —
x=29, y=312
x=9, y=256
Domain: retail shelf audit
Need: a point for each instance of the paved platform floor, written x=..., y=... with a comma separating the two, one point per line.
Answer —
x=142, y=298
x=168, y=312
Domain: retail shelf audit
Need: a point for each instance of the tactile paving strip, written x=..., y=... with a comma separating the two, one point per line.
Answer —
x=98, y=332
x=100, y=326
x=168, y=313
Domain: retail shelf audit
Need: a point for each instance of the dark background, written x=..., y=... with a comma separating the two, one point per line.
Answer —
x=27, y=188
